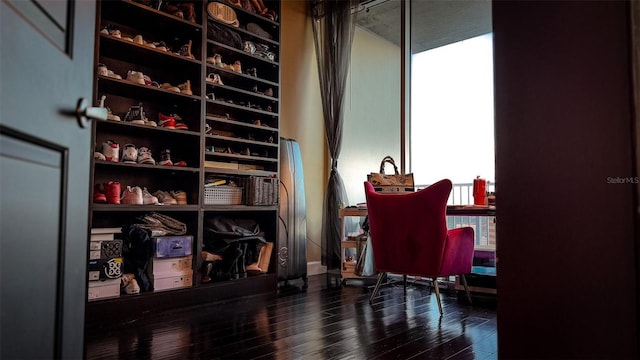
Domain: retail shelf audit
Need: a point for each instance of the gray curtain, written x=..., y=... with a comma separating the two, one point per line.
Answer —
x=333, y=29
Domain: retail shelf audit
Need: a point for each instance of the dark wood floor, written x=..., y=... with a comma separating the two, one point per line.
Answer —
x=325, y=321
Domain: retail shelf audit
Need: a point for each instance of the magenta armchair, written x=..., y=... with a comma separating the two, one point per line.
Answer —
x=409, y=236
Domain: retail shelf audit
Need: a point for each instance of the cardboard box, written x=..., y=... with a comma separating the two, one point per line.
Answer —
x=158, y=266
x=103, y=289
x=172, y=280
x=105, y=249
x=101, y=269
x=220, y=165
x=172, y=246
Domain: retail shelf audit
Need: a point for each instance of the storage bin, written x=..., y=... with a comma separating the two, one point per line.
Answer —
x=261, y=190
x=223, y=195
x=172, y=246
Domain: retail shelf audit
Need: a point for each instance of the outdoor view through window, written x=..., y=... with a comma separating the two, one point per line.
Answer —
x=452, y=112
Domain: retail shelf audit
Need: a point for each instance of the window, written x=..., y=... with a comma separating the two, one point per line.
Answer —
x=452, y=112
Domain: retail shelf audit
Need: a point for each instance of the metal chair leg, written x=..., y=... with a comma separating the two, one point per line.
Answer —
x=435, y=286
x=404, y=283
x=377, y=287
x=466, y=288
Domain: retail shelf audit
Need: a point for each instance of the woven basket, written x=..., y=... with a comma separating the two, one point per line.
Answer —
x=223, y=195
x=261, y=191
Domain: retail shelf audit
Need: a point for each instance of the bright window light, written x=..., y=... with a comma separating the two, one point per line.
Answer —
x=452, y=112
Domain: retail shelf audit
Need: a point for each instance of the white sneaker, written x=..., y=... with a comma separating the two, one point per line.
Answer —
x=136, y=77
x=129, y=154
x=144, y=156
x=147, y=198
x=111, y=151
x=132, y=196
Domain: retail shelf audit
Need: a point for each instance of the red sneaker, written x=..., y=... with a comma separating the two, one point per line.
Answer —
x=98, y=194
x=165, y=121
x=112, y=192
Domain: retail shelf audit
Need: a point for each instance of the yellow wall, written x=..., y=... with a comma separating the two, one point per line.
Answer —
x=301, y=112
x=372, y=107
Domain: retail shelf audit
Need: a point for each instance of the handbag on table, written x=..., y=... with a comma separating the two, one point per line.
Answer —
x=395, y=182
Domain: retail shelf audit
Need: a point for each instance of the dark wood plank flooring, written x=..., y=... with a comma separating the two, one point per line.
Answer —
x=324, y=321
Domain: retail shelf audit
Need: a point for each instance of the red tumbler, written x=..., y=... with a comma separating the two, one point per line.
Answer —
x=479, y=191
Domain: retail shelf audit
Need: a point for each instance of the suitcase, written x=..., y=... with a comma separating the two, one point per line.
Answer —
x=292, y=233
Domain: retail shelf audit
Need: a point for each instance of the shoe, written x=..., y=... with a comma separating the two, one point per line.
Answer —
x=174, y=10
x=99, y=156
x=170, y=87
x=98, y=194
x=165, y=198
x=237, y=67
x=111, y=30
x=151, y=123
x=166, y=121
x=185, y=51
x=102, y=70
x=268, y=92
x=180, y=163
x=188, y=11
x=147, y=198
x=214, y=79
x=181, y=126
x=111, y=151
x=185, y=88
x=130, y=154
x=161, y=45
x=138, y=40
x=257, y=30
x=111, y=116
x=112, y=192
x=265, y=257
x=144, y=156
x=132, y=195
x=180, y=196
x=129, y=284
x=223, y=13
x=136, y=77
x=165, y=158
x=136, y=115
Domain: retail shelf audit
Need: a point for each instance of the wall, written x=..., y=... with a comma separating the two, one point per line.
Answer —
x=372, y=107
x=301, y=113
x=567, y=285
x=372, y=111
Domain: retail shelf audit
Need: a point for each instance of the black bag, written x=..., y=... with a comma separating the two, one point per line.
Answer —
x=223, y=35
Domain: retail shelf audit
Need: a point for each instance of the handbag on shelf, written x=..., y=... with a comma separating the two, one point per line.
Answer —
x=395, y=182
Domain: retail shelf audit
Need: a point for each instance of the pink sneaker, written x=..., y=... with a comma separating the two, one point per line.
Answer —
x=132, y=195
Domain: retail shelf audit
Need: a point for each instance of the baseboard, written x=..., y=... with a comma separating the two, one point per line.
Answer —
x=315, y=268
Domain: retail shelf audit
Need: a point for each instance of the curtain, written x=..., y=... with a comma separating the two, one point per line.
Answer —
x=333, y=29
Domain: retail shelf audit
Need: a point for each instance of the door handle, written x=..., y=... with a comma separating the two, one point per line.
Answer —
x=85, y=113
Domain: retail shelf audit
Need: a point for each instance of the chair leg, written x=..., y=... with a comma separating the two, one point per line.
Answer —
x=404, y=283
x=377, y=287
x=435, y=286
x=466, y=288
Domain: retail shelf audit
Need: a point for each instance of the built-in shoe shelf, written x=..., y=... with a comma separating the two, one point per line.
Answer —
x=243, y=119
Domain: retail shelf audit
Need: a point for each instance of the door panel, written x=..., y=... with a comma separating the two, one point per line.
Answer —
x=44, y=169
x=39, y=220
